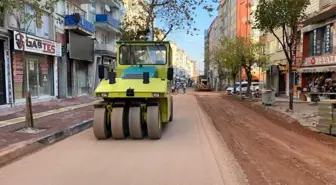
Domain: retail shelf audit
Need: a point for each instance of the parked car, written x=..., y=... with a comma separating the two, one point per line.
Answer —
x=230, y=90
x=243, y=89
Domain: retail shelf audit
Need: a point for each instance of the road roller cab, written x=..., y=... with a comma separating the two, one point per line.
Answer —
x=136, y=94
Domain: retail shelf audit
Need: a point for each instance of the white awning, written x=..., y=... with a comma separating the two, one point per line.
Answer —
x=317, y=69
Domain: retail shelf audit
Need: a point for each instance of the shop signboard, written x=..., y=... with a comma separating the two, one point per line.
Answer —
x=314, y=42
x=328, y=39
x=320, y=60
x=36, y=45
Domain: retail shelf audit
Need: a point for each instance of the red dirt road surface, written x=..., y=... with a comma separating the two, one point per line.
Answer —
x=272, y=151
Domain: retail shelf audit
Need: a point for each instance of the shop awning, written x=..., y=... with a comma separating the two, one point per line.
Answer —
x=317, y=69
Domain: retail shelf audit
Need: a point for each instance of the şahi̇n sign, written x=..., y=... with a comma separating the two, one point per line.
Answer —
x=36, y=45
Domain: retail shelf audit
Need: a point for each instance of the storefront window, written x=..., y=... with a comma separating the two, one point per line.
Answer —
x=323, y=41
x=45, y=76
x=310, y=44
x=35, y=75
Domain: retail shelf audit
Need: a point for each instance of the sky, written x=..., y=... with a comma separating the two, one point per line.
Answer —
x=194, y=45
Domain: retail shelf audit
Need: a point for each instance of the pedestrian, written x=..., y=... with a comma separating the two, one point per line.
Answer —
x=184, y=87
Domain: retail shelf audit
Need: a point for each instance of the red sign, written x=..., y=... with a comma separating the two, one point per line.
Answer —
x=18, y=68
x=320, y=60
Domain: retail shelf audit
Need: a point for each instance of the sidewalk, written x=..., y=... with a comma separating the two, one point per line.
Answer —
x=55, y=117
x=18, y=111
x=305, y=114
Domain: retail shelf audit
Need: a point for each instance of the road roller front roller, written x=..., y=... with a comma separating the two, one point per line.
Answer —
x=135, y=92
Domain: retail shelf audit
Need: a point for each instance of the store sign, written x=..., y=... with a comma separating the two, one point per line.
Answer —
x=18, y=68
x=320, y=60
x=36, y=45
x=314, y=42
x=328, y=39
x=317, y=69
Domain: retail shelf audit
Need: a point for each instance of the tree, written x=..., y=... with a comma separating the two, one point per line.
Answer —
x=227, y=55
x=175, y=15
x=285, y=15
x=252, y=55
x=23, y=19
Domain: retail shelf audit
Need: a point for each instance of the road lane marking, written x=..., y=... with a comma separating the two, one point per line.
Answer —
x=47, y=113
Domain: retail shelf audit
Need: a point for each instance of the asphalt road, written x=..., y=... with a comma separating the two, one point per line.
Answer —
x=191, y=152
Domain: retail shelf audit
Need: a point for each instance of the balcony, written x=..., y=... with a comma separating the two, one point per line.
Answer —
x=107, y=23
x=111, y=3
x=79, y=24
x=326, y=3
x=105, y=49
x=327, y=10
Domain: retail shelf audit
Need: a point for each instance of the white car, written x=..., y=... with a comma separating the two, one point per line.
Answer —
x=254, y=87
x=230, y=90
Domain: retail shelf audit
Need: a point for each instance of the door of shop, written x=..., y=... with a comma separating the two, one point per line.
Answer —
x=2, y=75
x=33, y=73
x=282, y=83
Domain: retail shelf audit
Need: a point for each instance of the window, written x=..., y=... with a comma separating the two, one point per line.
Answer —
x=30, y=26
x=60, y=7
x=44, y=30
x=146, y=55
x=2, y=20
x=309, y=46
x=323, y=40
x=92, y=13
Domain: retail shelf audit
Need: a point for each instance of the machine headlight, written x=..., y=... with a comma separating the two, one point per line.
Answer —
x=156, y=95
x=104, y=95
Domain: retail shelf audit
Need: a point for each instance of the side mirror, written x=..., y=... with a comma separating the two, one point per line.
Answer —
x=101, y=71
x=145, y=78
x=170, y=73
x=112, y=77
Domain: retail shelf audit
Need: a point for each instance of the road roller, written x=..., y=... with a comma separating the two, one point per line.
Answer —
x=135, y=91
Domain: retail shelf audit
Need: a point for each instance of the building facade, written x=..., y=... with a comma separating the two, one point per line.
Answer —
x=316, y=56
x=214, y=33
x=6, y=85
x=57, y=59
x=277, y=73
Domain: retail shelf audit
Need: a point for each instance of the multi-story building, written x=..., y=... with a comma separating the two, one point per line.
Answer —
x=206, y=53
x=213, y=44
x=277, y=74
x=60, y=58
x=97, y=30
x=316, y=51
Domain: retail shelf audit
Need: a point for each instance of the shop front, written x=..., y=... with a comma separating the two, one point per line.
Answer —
x=6, y=89
x=2, y=75
x=80, y=65
x=34, y=70
x=318, y=74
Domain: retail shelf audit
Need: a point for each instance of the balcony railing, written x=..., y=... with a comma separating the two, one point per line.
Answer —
x=105, y=18
x=82, y=24
x=325, y=3
x=105, y=49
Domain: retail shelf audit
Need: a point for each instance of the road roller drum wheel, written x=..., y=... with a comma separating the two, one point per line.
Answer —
x=135, y=122
x=117, y=123
x=101, y=129
x=154, y=124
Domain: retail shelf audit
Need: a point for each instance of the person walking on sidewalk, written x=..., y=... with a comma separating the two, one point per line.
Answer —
x=184, y=87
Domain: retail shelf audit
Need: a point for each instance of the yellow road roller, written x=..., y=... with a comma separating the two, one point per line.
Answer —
x=136, y=93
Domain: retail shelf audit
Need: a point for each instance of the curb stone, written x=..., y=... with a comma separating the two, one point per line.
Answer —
x=18, y=150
